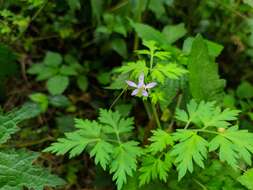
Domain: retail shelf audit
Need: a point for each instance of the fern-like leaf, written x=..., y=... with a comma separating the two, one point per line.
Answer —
x=124, y=162
x=159, y=141
x=154, y=168
x=207, y=114
x=135, y=68
x=162, y=71
x=191, y=148
x=104, y=141
x=233, y=144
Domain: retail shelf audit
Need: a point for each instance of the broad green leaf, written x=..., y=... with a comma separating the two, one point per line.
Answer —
x=47, y=73
x=7, y=61
x=157, y=6
x=174, y=32
x=60, y=101
x=82, y=82
x=204, y=80
x=104, y=78
x=214, y=49
x=119, y=46
x=68, y=70
x=245, y=90
x=74, y=4
x=57, y=84
x=36, y=68
x=191, y=148
x=248, y=2
x=52, y=59
x=97, y=9
x=41, y=99
x=17, y=171
x=146, y=32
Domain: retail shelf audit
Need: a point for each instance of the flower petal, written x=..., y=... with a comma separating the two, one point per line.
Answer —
x=135, y=92
x=141, y=80
x=131, y=83
x=151, y=85
x=145, y=93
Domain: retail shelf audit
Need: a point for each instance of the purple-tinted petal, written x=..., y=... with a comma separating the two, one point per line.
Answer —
x=145, y=93
x=135, y=92
x=151, y=85
x=131, y=83
x=141, y=80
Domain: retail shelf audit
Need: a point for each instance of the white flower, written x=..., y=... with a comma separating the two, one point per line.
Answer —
x=141, y=87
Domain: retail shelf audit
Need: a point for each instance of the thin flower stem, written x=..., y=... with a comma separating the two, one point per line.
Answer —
x=156, y=116
x=179, y=100
x=187, y=124
x=200, y=184
x=147, y=108
x=117, y=98
x=151, y=60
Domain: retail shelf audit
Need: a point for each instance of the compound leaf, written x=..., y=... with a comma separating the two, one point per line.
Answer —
x=191, y=148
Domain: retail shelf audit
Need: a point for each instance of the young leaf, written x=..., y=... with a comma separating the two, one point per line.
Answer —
x=172, y=71
x=159, y=141
x=191, y=148
x=17, y=170
x=204, y=85
x=135, y=68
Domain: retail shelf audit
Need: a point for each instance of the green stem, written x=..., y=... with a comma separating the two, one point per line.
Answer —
x=179, y=100
x=147, y=108
x=205, y=131
x=200, y=184
x=187, y=124
x=151, y=60
x=117, y=98
x=156, y=116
